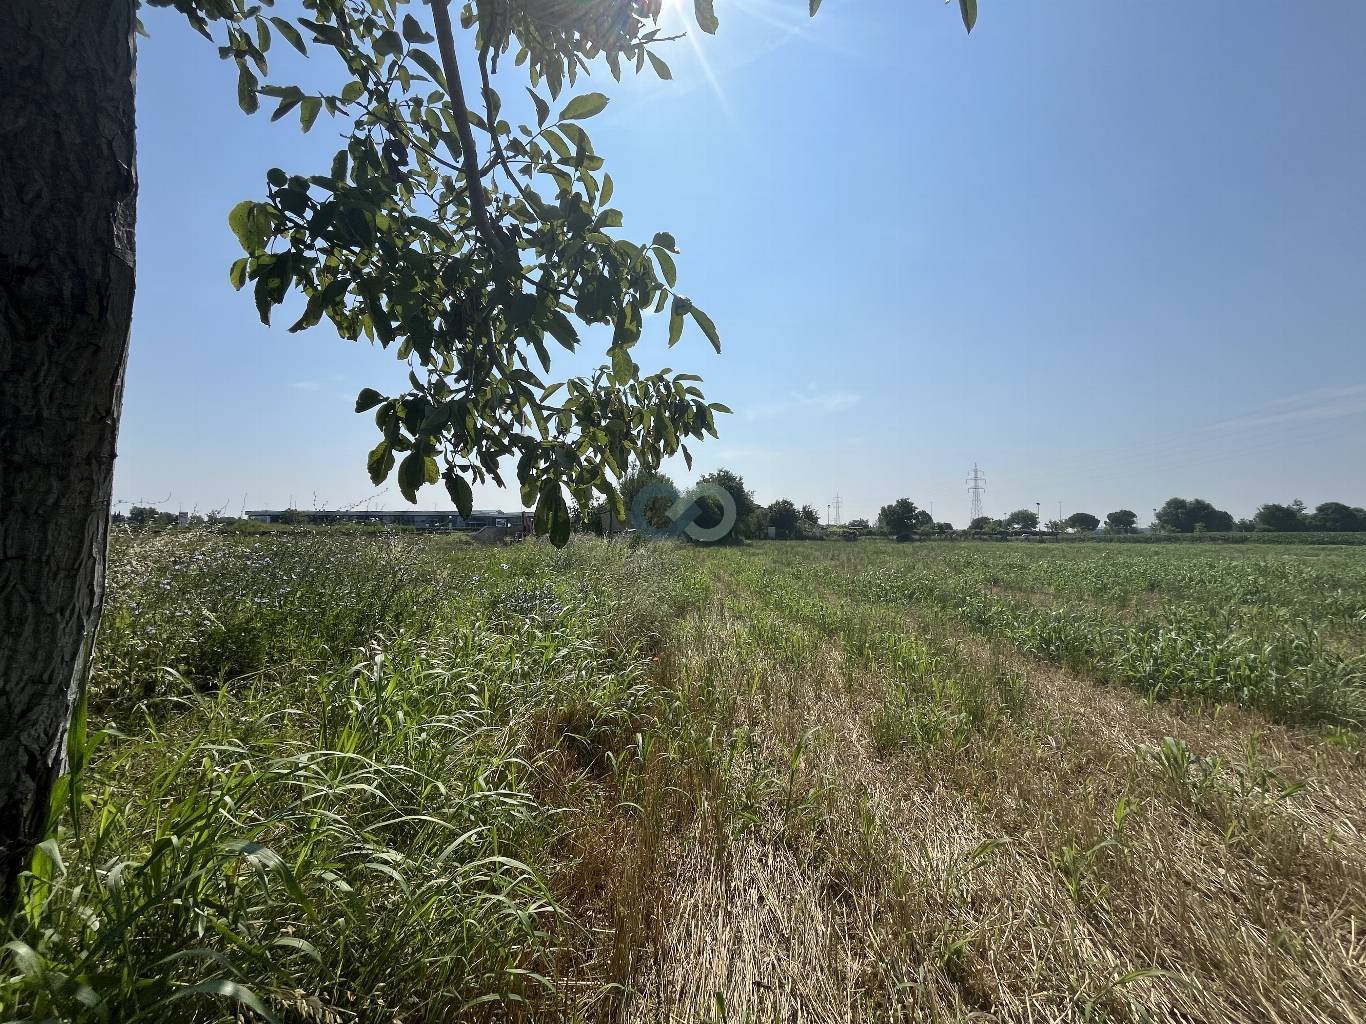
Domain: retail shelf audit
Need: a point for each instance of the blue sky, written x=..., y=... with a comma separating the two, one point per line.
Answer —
x=1111, y=252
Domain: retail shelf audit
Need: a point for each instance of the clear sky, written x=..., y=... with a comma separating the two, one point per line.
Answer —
x=1111, y=252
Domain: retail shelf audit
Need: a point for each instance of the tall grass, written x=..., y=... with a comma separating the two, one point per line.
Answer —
x=316, y=791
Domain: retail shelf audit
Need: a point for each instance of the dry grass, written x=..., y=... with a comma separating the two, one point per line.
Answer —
x=1049, y=854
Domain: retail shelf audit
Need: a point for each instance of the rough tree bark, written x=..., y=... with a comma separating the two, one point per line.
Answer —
x=68, y=192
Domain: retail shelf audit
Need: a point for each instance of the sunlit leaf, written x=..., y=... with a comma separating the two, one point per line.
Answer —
x=584, y=106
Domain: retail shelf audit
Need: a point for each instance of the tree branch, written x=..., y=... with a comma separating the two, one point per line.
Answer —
x=469, y=156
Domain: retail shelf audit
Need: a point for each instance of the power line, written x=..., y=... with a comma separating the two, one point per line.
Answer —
x=977, y=485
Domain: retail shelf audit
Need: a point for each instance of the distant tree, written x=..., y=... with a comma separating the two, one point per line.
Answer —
x=1181, y=516
x=293, y=517
x=900, y=518
x=1022, y=519
x=943, y=528
x=858, y=524
x=1055, y=526
x=1273, y=518
x=1083, y=522
x=782, y=516
x=979, y=524
x=1216, y=521
x=587, y=518
x=1335, y=517
x=1122, y=521
x=809, y=515
x=142, y=515
x=1174, y=516
x=657, y=508
x=711, y=511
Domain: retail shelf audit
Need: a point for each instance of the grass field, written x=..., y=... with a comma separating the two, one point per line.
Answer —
x=387, y=779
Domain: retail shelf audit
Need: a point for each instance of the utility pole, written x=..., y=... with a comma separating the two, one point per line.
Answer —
x=977, y=485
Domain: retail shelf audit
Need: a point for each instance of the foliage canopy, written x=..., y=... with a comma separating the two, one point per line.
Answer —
x=470, y=243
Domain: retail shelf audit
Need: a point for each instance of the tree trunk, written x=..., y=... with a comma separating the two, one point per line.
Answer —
x=68, y=191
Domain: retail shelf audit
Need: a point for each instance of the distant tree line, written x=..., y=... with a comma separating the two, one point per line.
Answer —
x=148, y=515
x=902, y=519
x=1196, y=515
x=1330, y=517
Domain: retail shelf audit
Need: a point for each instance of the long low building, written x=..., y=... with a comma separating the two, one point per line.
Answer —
x=413, y=518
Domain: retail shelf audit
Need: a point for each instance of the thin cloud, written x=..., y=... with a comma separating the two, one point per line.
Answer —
x=1281, y=424
x=331, y=380
x=1322, y=404
x=829, y=402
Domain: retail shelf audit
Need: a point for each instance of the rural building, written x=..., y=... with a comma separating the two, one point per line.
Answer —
x=413, y=518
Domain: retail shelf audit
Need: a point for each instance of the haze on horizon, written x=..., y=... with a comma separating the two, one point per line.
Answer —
x=1110, y=253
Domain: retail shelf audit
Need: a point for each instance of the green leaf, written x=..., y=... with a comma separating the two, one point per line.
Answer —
x=239, y=218
x=562, y=330
x=969, y=11
x=428, y=63
x=308, y=111
x=251, y=222
x=708, y=328
x=352, y=91
x=676, y=322
x=368, y=399
x=380, y=462
x=559, y=521
x=557, y=143
x=666, y=266
x=413, y=32
x=461, y=494
x=49, y=849
x=584, y=106
x=706, y=16
x=229, y=990
x=623, y=369
x=246, y=89
x=542, y=108
x=237, y=273
x=412, y=474
x=664, y=240
x=388, y=43
x=662, y=69
x=291, y=34
x=544, y=507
